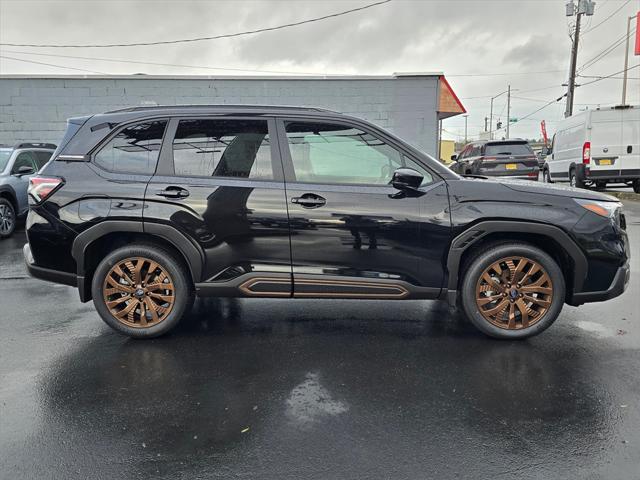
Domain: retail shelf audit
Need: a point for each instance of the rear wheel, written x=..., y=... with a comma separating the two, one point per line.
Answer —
x=601, y=185
x=636, y=186
x=546, y=178
x=141, y=291
x=512, y=291
x=7, y=218
x=574, y=180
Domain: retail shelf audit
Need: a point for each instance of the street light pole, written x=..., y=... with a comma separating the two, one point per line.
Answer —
x=626, y=62
x=508, y=109
x=465, y=128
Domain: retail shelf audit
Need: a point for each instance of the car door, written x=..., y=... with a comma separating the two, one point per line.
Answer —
x=220, y=184
x=353, y=234
x=20, y=181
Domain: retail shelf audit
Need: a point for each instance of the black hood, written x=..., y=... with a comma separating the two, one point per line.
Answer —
x=550, y=189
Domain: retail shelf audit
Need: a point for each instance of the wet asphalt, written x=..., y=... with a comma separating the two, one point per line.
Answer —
x=292, y=389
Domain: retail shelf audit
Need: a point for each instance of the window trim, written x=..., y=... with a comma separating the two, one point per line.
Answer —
x=107, y=139
x=166, y=165
x=287, y=160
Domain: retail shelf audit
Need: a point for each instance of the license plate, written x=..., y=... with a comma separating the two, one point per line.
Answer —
x=605, y=161
x=511, y=166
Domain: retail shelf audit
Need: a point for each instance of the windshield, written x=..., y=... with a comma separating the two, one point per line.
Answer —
x=5, y=154
x=508, y=149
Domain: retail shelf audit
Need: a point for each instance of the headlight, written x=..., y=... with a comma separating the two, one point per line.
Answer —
x=604, y=209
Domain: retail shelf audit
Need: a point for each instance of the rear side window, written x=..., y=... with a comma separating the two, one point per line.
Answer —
x=223, y=148
x=508, y=149
x=134, y=149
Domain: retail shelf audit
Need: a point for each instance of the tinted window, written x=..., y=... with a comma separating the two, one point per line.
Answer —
x=508, y=149
x=42, y=158
x=223, y=148
x=24, y=159
x=133, y=150
x=332, y=153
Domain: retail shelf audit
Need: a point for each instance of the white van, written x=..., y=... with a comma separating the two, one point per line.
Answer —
x=596, y=147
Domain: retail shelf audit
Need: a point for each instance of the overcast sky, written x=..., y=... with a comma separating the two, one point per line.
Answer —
x=524, y=43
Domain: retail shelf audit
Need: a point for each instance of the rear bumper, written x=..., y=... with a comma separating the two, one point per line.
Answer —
x=47, y=274
x=612, y=175
x=618, y=286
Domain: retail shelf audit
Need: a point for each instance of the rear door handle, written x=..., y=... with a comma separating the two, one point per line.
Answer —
x=309, y=200
x=173, y=192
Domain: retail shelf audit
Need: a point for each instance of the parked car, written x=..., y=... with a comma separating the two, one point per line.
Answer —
x=143, y=208
x=597, y=147
x=512, y=158
x=17, y=164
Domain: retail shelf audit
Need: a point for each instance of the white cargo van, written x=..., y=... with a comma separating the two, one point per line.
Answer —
x=596, y=147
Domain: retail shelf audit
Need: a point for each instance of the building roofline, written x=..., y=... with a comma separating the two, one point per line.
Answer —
x=394, y=76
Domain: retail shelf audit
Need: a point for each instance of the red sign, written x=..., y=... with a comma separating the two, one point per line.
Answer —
x=637, y=50
x=543, y=127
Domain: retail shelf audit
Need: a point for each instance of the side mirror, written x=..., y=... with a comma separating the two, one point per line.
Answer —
x=406, y=179
x=24, y=170
x=454, y=158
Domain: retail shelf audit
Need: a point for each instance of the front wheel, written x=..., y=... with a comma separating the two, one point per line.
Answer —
x=141, y=291
x=546, y=177
x=7, y=218
x=512, y=291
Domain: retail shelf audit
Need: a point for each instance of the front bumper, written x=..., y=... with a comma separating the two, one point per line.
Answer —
x=618, y=285
x=47, y=274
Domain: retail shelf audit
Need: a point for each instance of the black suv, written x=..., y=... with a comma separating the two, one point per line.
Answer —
x=143, y=208
x=512, y=158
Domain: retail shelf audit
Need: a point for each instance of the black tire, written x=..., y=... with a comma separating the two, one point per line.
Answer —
x=574, y=181
x=488, y=256
x=601, y=185
x=546, y=177
x=636, y=186
x=183, y=293
x=7, y=218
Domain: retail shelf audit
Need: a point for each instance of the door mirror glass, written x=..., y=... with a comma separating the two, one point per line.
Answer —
x=406, y=179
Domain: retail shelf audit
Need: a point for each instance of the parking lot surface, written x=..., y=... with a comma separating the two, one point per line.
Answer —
x=315, y=389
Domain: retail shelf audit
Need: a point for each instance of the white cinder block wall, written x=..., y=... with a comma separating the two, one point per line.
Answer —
x=36, y=109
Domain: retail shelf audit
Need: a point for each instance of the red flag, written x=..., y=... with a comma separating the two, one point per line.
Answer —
x=637, y=50
x=543, y=127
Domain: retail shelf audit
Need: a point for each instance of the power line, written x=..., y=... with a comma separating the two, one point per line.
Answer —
x=609, y=76
x=605, y=52
x=199, y=39
x=611, y=15
x=50, y=65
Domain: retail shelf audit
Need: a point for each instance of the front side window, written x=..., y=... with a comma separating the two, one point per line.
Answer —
x=333, y=153
x=24, y=159
x=135, y=149
x=223, y=148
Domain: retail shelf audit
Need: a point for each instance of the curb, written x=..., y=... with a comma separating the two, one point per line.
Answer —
x=625, y=195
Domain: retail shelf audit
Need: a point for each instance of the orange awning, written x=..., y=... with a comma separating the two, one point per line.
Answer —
x=449, y=104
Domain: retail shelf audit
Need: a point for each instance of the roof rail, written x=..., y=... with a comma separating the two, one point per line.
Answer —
x=220, y=106
x=35, y=145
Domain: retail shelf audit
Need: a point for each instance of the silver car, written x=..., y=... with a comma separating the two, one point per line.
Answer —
x=17, y=164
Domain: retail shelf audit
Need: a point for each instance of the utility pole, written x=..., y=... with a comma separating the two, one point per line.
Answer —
x=465, y=128
x=626, y=62
x=508, y=109
x=485, y=124
x=491, y=120
x=585, y=7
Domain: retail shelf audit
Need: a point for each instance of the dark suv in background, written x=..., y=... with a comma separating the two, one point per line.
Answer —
x=143, y=208
x=498, y=158
x=17, y=163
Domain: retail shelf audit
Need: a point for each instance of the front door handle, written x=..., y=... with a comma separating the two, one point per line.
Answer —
x=173, y=192
x=309, y=200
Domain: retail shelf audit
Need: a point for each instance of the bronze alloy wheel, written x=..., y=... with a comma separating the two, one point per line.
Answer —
x=138, y=292
x=514, y=293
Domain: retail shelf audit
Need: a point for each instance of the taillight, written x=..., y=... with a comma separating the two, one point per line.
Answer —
x=586, y=153
x=40, y=188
